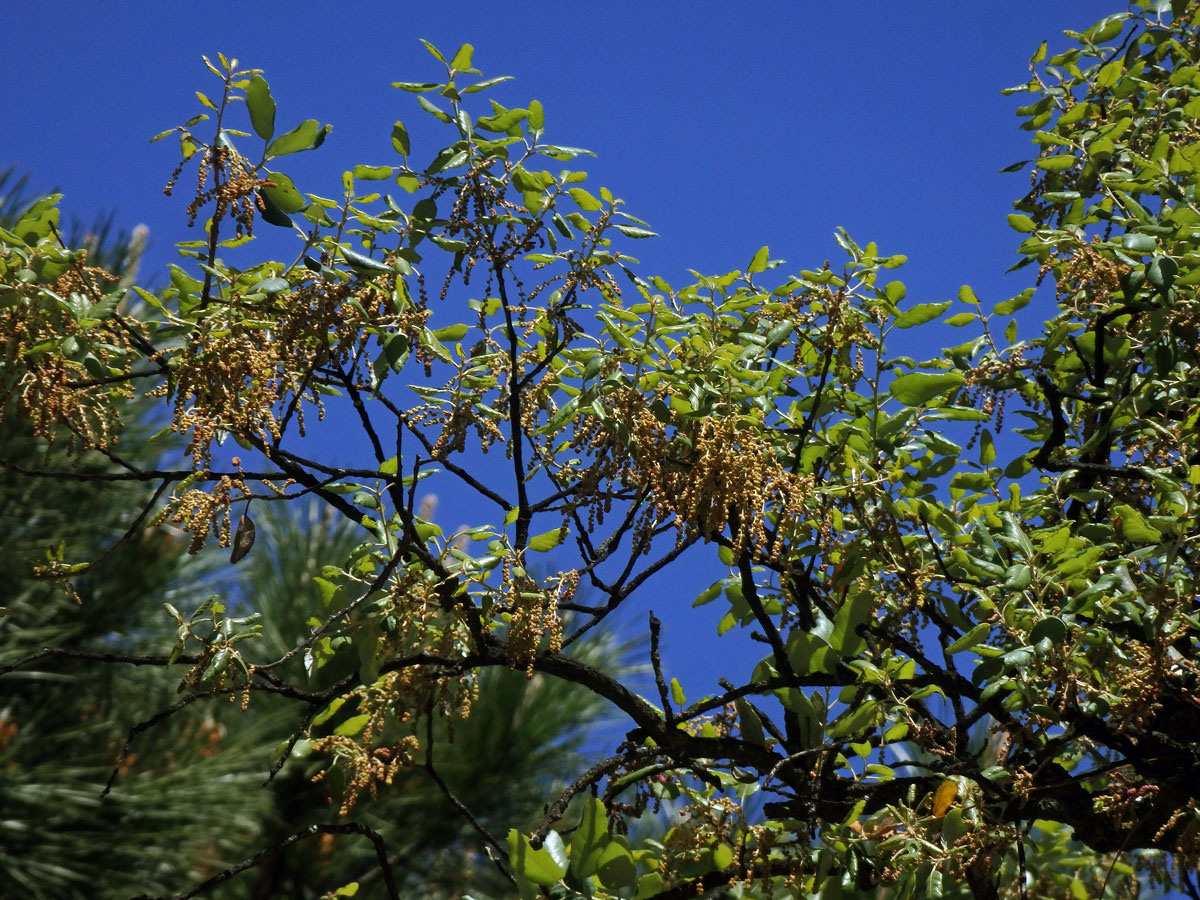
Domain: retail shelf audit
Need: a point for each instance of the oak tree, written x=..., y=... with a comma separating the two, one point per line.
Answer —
x=972, y=577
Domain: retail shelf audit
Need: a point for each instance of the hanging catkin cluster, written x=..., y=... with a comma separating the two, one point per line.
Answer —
x=715, y=473
x=63, y=365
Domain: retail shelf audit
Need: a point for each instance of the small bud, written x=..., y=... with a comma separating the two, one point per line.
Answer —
x=243, y=539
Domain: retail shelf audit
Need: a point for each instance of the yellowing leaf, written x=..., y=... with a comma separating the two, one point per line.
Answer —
x=943, y=798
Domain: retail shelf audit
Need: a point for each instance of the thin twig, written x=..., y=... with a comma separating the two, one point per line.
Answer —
x=224, y=875
x=501, y=854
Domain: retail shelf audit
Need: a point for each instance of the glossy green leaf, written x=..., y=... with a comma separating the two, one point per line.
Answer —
x=1021, y=223
x=1056, y=163
x=432, y=108
x=451, y=333
x=308, y=135
x=759, y=262
x=537, y=116
x=1051, y=629
x=282, y=193
x=847, y=637
x=462, y=59
x=373, y=173
x=1133, y=525
x=261, y=106
x=585, y=201
x=400, y=141
x=364, y=263
x=749, y=722
x=632, y=231
x=649, y=885
x=1008, y=307
x=538, y=866
x=920, y=314
x=977, y=635
x=1162, y=272
x=917, y=388
x=436, y=54
x=416, y=87
x=352, y=725
x=590, y=835
x=547, y=540
x=1139, y=243
x=615, y=866
x=677, y=694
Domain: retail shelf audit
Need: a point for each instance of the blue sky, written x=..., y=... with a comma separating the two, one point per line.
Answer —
x=725, y=126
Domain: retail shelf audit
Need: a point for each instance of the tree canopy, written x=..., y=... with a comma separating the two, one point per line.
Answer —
x=978, y=642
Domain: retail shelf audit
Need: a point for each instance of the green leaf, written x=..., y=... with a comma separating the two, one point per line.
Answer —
x=677, y=693
x=615, y=866
x=364, y=263
x=435, y=53
x=920, y=314
x=261, y=106
x=855, y=720
x=485, y=84
x=537, y=116
x=451, y=333
x=960, y=319
x=538, y=866
x=433, y=110
x=308, y=135
x=751, y=725
x=851, y=616
x=504, y=121
x=547, y=540
x=586, y=201
x=977, y=635
x=966, y=295
x=1021, y=223
x=1110, y=73
x=1161, y=273
x=274, y=285
x=632, y=231
x=591, y=834
x=373, y=173
x=283, y=194
x=917, y=388
x=1008, y=307
x=367, y=499
x=759, y=262
x=553, y=844
x=416, y=87
x=1056, y=163
x=462, y=59
x=1051, y=629
x=649, y=885
x=329, y=711
x=1138, y=243
x=352, y=725
x=987, y=448
x=400, y=140
x=1133, y=525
